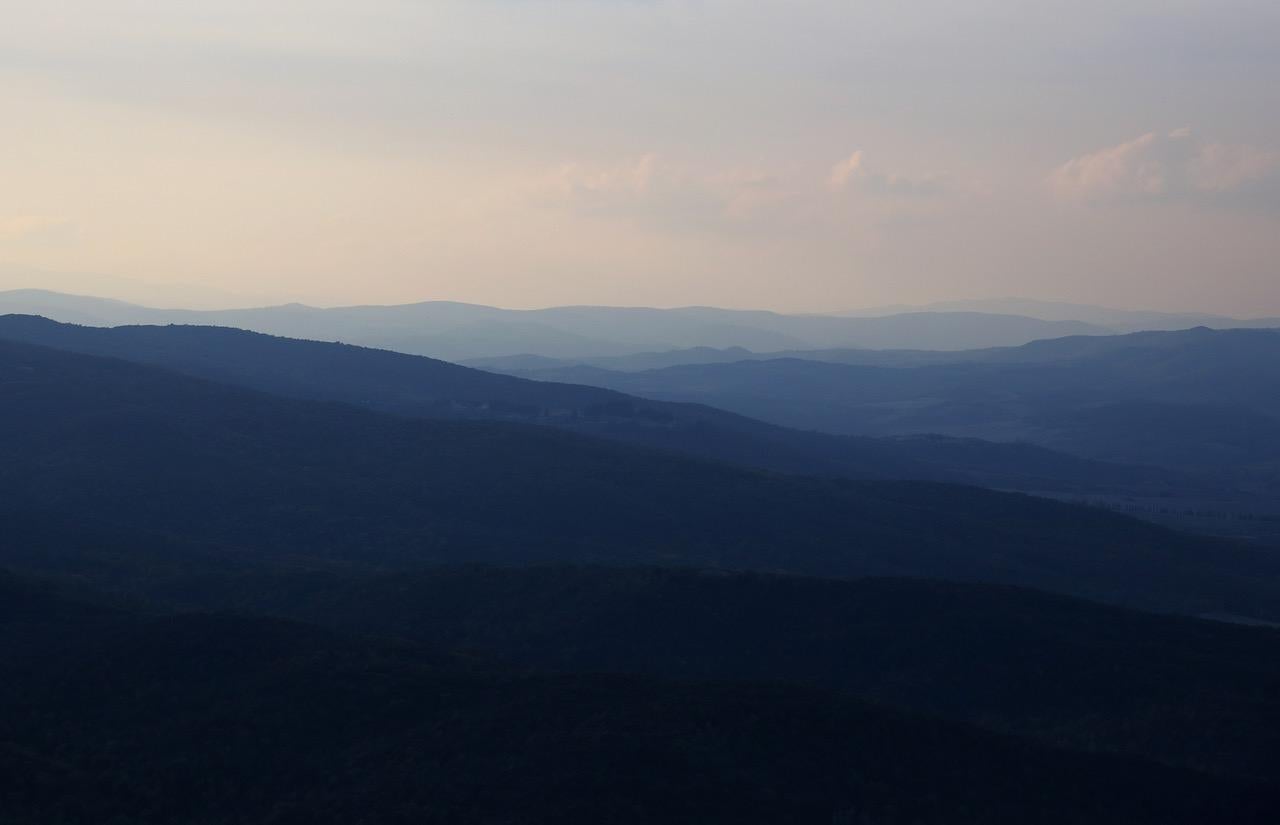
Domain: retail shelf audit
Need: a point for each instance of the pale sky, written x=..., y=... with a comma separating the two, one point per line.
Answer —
x=806, y=155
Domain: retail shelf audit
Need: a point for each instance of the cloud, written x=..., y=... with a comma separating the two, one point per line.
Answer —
x=762, y=200
x=37, y=230
x=629, y=178
x=852, y=173
x=1171, y=166
x=656, y=192
x=847, y=170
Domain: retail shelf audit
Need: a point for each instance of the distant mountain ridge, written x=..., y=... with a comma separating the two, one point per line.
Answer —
x=455, y=331
x=879, y=394
x=1043, y=350
x=1200, y=401
x=1120, y=320
x=422, y=387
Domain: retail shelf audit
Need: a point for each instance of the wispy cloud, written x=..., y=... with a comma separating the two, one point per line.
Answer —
x=649, y=189
x=853, y=173
x=1168, y=166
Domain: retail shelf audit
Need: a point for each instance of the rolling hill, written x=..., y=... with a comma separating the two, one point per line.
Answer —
x=1070, y=673
x=422, y=387
x=118, y=446
x=1196, y=399
x=216, y=718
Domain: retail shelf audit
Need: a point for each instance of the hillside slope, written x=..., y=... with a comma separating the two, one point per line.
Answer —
x=120, y=445
x=422, y=387
x=1194, y=400
x=226, y=719
x=1198, y=694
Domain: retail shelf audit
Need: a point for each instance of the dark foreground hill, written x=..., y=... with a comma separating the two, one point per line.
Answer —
x=1192, y=693
x=221, y=719
x=422, y=387
x=116, y=446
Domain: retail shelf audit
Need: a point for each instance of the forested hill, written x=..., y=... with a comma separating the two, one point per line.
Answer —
x=120, y=446
x=1198, y=694
x=223, y=719
x=422, y=387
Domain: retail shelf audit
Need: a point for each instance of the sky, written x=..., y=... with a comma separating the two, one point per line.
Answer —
x=807, y=155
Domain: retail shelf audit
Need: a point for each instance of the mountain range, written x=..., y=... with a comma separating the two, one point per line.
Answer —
x=1199, y=401
x=422, y=387
x=114, y=445
x=1118, y=320
x=455, y=331
x=258, y=580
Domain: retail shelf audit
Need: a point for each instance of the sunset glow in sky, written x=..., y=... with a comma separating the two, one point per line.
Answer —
x=805, y=155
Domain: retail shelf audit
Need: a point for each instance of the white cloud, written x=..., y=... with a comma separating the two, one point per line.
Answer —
x=1174, y=165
